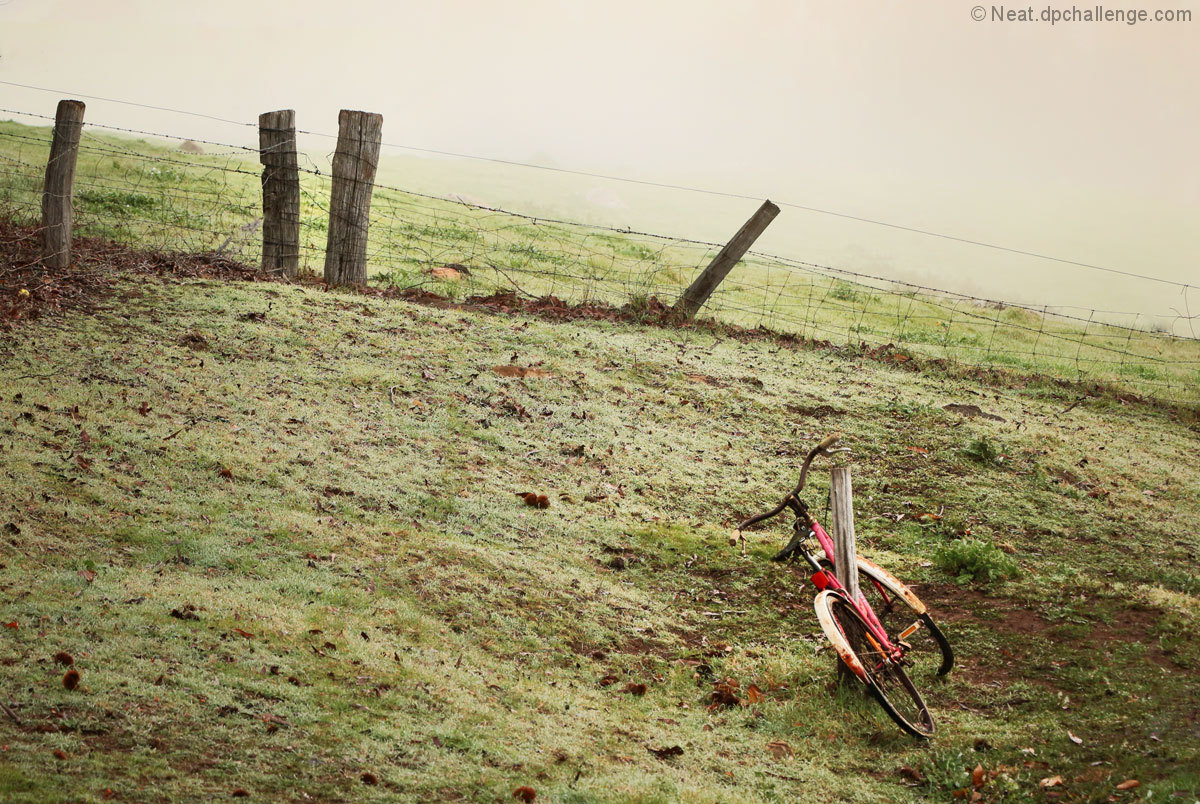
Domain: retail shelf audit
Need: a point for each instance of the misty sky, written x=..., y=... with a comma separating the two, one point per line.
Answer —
x=1077, y=140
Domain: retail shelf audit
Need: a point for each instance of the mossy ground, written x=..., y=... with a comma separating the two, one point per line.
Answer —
x=328, y=484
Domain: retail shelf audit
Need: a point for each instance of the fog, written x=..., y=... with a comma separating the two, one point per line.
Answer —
x=1076, y=140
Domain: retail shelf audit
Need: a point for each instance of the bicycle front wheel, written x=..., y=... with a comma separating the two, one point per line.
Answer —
x=862, y=653
x=900, y=611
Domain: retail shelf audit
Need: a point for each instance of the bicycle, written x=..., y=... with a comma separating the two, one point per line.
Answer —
x=862, y=636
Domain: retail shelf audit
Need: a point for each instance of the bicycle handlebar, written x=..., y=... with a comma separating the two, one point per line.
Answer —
x=823, y=448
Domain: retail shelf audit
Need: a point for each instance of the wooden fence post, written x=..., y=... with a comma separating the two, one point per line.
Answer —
x=698, y=292
x=842, y=507
x=59, y=186
x=280, y=192
x=845, y=558
x=354, y=163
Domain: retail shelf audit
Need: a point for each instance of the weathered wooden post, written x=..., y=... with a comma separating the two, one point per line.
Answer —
x=698, y=292
x=60, y=182
x=845, y=558
x=842, y=507
x=354, y=164
x=280, y=192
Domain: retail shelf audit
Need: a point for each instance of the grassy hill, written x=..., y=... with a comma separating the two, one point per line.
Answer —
x=277, y=529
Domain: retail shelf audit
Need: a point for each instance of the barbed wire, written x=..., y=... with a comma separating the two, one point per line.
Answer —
x=148, y=196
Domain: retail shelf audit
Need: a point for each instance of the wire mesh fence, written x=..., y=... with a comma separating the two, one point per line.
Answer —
x=173, y=194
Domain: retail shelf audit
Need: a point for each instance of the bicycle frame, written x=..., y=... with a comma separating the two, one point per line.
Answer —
x=823, y=579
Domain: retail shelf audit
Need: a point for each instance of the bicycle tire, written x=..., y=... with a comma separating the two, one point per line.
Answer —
x=860, y=652
x=897, y=608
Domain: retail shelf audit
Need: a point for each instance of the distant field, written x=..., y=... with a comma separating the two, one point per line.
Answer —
x=150, y=193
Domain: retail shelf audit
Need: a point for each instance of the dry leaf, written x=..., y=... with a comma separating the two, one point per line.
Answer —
x=754, y=694
x=779, y=749
x=1073, y=738
x=1050, y=781
x=87, y=574
x=978, y=776
x=608, y=681
x=450, y=272
x=1128, y=784
x=242, y=633
x=520, y=371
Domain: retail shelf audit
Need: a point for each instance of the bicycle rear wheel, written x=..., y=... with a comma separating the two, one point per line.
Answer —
x=862, y=653
x=899, y=610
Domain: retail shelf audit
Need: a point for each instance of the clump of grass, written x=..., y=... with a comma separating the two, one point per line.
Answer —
x=983, y=450
x=969, y=559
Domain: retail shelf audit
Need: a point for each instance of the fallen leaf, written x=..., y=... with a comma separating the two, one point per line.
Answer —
x=452, y=272
x=87, y=574
x=1050, y=781
x=13, y=625
x=754, y=694
x=520, y=371
x=779, y=749
x=608, y=681
x=1128, y=784
x=920, y=450
x=144, y=408
x=1073, y=738
x=526, y=794
x=242, y=633
x=666, y=753
x=978, y=776
x=725, y=693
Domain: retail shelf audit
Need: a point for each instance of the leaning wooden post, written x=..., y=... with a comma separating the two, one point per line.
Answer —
x=354, y=163
x=60, y=181
x=697, y=294
x=280, y=192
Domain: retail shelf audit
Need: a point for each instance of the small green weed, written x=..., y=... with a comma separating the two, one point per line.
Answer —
x=970, y=559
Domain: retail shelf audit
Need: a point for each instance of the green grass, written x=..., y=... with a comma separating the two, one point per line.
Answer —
x=150, y=194
x=334, y=490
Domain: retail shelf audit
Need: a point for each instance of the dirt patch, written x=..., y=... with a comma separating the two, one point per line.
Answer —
x=30, y=290
x=953, y=604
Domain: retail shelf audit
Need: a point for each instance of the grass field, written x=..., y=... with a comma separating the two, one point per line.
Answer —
x=150, y=193
x=277, y=530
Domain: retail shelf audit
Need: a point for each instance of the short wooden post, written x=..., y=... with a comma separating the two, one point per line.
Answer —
x=845, y=558
x=698, y=292
x=354, y=163
x=842, y=507
x=280, y=192
x=60, y=182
